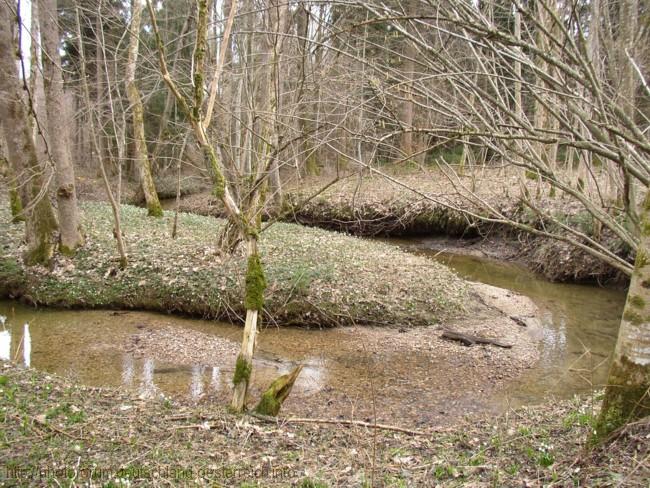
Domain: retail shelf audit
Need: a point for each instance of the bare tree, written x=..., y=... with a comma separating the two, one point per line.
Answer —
x=94, y=138
x=140, y=150
x=41, y=224
x=58, y=140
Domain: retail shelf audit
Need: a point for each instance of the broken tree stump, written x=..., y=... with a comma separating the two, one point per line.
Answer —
x=470, y=340
x=277, y=393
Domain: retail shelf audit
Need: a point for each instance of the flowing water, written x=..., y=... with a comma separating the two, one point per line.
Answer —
x=579, y=325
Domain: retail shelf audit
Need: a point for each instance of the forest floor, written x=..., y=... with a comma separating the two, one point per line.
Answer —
x=56, y=433
x=374, y=205
x=315, y=277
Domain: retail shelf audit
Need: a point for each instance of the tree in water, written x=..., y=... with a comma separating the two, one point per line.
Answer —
x=41, y=223
x=245, y=218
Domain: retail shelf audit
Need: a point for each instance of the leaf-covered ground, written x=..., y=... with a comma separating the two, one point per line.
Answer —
x=374, y=205
x=54, y=433
x=315, y=277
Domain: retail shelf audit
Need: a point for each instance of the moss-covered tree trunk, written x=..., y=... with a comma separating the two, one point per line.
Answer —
x=627, y=396
x=253, y=301
x=41, y=224
x=66, y=195
x=141, y=158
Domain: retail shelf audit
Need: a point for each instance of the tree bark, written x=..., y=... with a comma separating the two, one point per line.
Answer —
x=41, y=224
x=94, y=140
x=66, y=195
x=627, y=396
x=244, y=365
x=140, y=157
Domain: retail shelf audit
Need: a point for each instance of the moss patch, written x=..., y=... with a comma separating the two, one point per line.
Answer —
x=255, y=284
x=16, y=206
x=243, y=370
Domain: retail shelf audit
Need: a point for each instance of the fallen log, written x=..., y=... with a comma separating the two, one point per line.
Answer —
x=470, y=340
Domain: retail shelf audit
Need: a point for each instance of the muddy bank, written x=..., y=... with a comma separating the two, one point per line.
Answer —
x=450, y=379
x=315, y=277
x=66, y=433
x=416, y=376
x=374, y=206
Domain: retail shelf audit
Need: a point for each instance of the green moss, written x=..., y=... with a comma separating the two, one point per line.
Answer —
x=16, y=206
x=268, y=405
x=255, y=284
x=243, y=370
x=532, y=175
x=219, y=182
x=641, y=259
x=636, y=301
x=154, y=209
x=645, y=227
x=311, y=166
x=66, y=251
x=633, y=317
x=624, y=402
x=12, y=277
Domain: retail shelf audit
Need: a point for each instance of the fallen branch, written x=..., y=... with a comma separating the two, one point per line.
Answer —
x=470, y=340
x=357, y=423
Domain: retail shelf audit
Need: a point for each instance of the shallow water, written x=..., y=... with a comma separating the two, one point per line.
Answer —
x=579, y=325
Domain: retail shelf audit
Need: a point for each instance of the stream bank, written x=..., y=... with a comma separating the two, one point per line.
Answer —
x=374, y=206
x=56, y=432
x=315, y=278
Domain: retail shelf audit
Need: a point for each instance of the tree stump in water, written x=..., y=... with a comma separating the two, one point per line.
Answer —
x=277, y=393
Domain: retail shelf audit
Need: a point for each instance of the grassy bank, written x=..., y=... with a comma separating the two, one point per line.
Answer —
x=315, y=277
x=375, y=206
x=58, y=434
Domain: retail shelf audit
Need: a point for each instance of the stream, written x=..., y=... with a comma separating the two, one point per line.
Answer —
x=579, y=326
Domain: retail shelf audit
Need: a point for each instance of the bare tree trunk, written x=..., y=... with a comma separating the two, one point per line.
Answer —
x=41, y=224
x=406, y=105
x=140, y=157
x=627, y=396
x=244, y=365
x=15, y=202
x=97, y=149
x=544, y=120
x=66, y=195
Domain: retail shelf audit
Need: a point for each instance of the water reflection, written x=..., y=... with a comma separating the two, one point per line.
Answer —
x=196, y=385
x=148, y=389
x=579, y=323
x=5, y=345
x=27, y=346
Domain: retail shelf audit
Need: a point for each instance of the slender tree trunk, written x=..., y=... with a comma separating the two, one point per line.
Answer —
x=255, y=284
x=15, y=202
x=66, y=195
x=627, y=396
x=406, y=105
x=140, y=157
x=41, y=224
x=544, y=120
x=117, y=231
